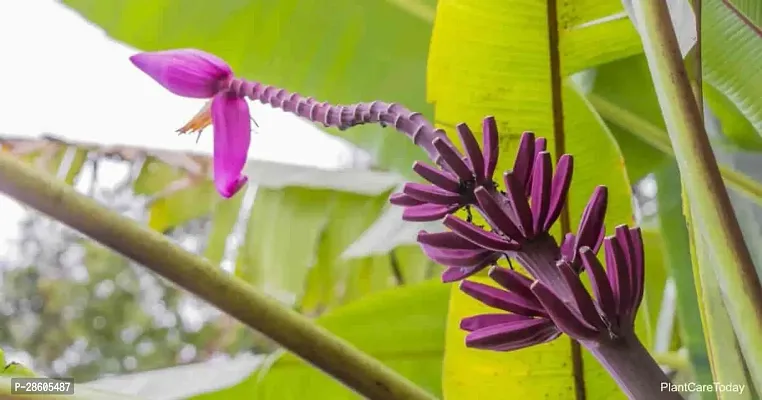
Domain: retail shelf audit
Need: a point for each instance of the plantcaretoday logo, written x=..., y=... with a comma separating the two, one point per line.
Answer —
x=696, y=387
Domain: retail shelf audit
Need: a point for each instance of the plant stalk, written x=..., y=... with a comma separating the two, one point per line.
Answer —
x=659, y=140
x=316, y=345
x=725, y=361
x=636, y=372
x=710, y=203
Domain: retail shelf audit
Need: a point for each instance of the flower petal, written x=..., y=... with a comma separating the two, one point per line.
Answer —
x=232, y=137
x=185, y=72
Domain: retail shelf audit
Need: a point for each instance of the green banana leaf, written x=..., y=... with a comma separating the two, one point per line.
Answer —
x=731, y=55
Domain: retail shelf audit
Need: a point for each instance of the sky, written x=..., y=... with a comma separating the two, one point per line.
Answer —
x=63, y=77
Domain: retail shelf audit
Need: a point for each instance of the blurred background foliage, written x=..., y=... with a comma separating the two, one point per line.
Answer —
x=326, y=243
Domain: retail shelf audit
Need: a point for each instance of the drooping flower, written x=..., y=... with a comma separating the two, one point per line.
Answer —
x=232, y=137
x=454, y=186
x=524, y=323
x=196, y=74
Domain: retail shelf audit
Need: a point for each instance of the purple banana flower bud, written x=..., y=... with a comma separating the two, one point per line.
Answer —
x=196, y=74
x=185, y=72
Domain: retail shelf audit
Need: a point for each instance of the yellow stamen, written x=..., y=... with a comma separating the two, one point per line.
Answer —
x=199, y=122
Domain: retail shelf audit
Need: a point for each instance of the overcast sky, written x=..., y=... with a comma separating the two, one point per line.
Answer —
x=64, y=77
